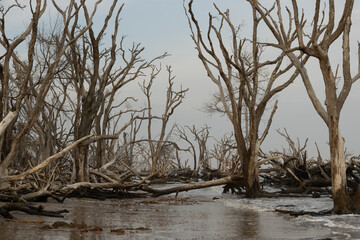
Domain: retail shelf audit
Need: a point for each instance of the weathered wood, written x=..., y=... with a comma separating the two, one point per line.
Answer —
x=37, y=194
x=43, y=164
x=94, y=185
x=6, y=121
x=26, y=208
x=301, y=213
x=193, y=186
x=115, y=185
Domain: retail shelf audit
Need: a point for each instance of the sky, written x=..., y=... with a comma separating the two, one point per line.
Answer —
x=161, y=26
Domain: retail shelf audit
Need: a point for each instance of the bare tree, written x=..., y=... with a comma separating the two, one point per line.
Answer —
x=18, y=72
x=97, y=72
x=224, y=151
x=201, y=136
x=245, y=87
x=316, y=43
x=200, y=154
x=173, y=99
x=181, y=133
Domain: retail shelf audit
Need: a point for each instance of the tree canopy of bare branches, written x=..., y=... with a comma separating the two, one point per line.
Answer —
x=245, y=89
x=315, y=43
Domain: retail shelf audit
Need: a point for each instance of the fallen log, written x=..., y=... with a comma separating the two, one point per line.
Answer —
x=29, y=209
x=302, y=213
x=95, y=185
x=104, y=191
x=103, y=194
x=115, y=185
x=193, y=186
x=43, y=164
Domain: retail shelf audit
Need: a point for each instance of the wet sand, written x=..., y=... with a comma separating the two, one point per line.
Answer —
x=188, y=216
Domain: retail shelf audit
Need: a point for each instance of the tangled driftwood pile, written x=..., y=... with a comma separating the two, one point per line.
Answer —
x=292, y=174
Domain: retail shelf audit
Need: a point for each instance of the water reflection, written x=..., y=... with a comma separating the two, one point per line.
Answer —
x=195, y=217
x=79, y=216
x=249, y=224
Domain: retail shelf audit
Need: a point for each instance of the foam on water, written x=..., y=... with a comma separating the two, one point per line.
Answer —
x=270, y=204
x=337, y=223
x=346, y=235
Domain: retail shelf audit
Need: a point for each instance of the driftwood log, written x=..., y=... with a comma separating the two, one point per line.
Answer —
x=29, y=209
x=188, y=187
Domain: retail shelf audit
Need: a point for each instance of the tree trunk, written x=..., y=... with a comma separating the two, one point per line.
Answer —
x=341, y=197
x=251, y=174
x=87, y=116
x=81, y=164
x=355, y=201
x=249, y=168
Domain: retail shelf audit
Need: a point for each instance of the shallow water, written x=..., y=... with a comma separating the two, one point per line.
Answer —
x=342, y=226
x=193, y=215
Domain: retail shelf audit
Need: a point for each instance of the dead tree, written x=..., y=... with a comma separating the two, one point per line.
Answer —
x=19, y=73
x=224, y=151
x=98, y=72
x=173, y=99
x=244, y=89
x=181, y=133
x=201, y=136
x=316, y=43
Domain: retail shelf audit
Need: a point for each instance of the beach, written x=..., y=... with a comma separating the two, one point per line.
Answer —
x=192, y=215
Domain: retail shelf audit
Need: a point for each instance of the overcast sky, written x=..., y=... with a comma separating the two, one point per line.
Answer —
x=161, y=26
